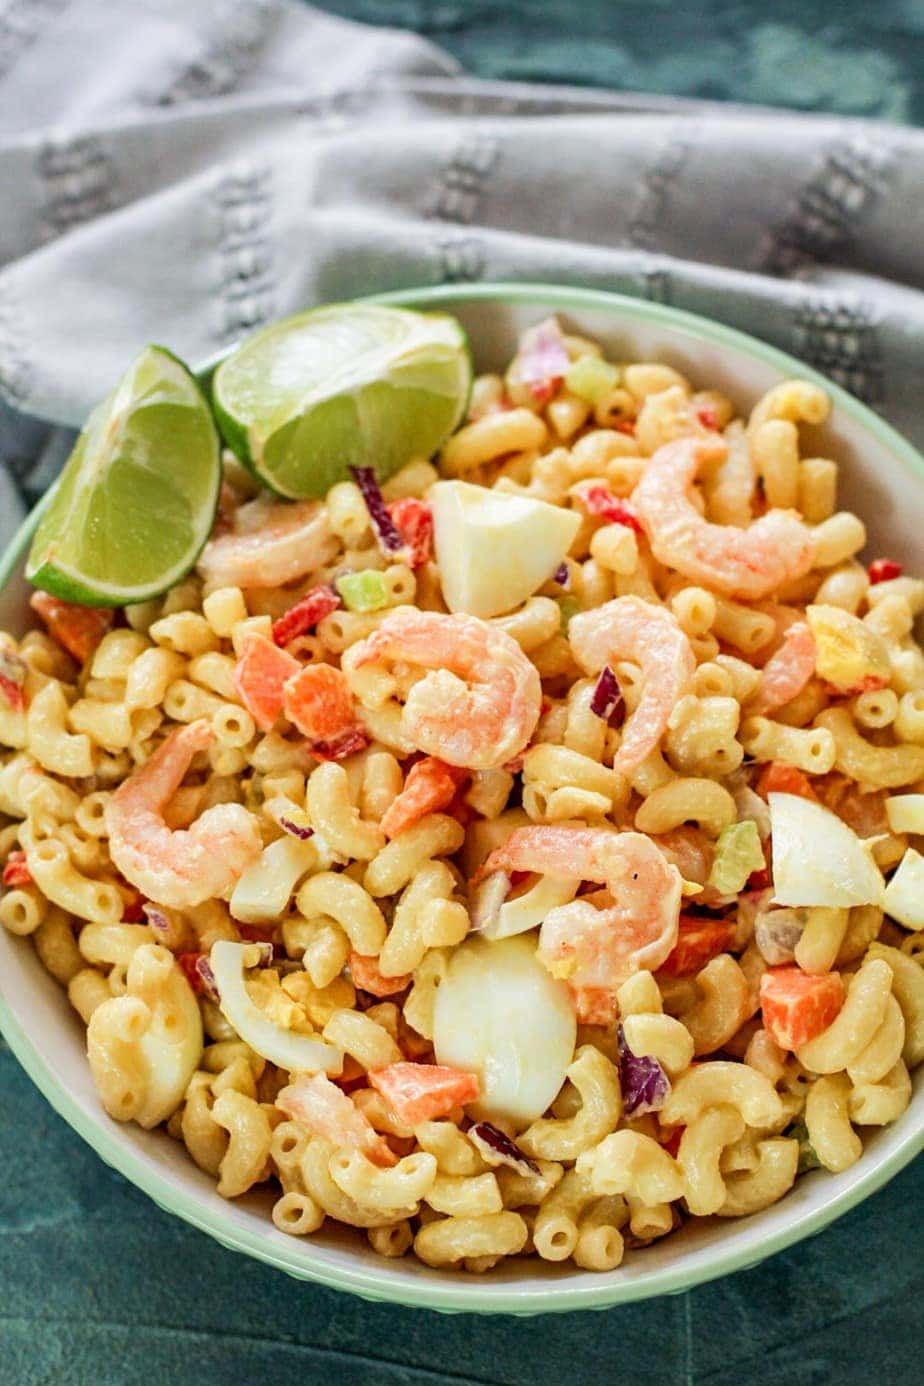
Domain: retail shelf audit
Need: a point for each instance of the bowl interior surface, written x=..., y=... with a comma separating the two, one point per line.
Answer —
x=882, y=478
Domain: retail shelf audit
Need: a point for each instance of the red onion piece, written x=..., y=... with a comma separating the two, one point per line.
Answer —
x=387, y=532
x=497, y=1148
x=487, y=899
x=607, y=702
x=288, y=826
x=562, y=576
x=157, y=920
x=645, y=1085
x=543, y=356
x=207, y=977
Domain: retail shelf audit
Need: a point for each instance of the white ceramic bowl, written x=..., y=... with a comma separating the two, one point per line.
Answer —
x=883, y=480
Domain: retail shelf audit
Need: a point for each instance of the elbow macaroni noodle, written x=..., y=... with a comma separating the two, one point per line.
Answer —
x=353, y=922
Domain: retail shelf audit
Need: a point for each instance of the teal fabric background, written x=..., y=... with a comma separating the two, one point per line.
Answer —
x=99, y=1288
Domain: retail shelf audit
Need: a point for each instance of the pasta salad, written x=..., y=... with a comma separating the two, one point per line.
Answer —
x=516, y=855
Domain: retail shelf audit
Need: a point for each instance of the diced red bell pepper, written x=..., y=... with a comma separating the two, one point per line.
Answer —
x=413, y=520
x=707, y=416
x=699, y=941
x=626, y=426
x=798, y=1007
x=79, y=629
x=430, y=785
x=305, y=614
x=13, y=672
x=884, y=570
x=15, y=871
x=12, y=694
x=366, y=975
x=424, y=1092
x=599, y=500
x=259, y=677
x=779, y=778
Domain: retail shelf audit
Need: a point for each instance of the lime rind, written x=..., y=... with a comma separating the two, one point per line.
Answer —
x=137, y=499
x=303, y=400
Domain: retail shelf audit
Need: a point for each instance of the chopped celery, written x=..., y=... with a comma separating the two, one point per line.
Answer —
x=807, y=1156
x=568, y=606
x=738, y=852
x=365, y=591
x=590, y=378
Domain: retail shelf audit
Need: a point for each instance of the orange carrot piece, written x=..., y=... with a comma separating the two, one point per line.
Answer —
x=424, y=1092
x=79, y=629
x=779, y=778
x=698, y=941
x=431, y=784
x=797, y=1007
x=366, y=975
x=317, y=698
x=259, y=677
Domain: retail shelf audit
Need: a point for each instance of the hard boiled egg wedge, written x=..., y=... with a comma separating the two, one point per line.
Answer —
x=904, y=896
x=817, y=858
x=499, y=1014
x=494, y=550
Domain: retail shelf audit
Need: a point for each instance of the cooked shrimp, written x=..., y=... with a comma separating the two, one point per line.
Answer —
x=690, y=850
x=787, y=671
x=271, y=542
x=748, y=563
x=481, y=701
x=596, y=949
x=186, y=867
x=633, y=629
x=319, y=1105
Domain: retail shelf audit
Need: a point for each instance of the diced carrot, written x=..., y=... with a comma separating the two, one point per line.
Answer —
x=16, y=872
x=779, y=778
x=626, y=426
x=699, y=941
x=319, y=701
x=305, y=614
x=431, y=784
x=259, y=677
x=366, y=975
x=414, y=522
x=797, y=1007
x=424, y=1092
x=79, y=629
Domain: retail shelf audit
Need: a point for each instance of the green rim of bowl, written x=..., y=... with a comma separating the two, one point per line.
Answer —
x=388, y=1282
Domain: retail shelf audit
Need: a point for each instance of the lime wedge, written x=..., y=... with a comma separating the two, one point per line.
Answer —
x=137, y=498
x=354, y=384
